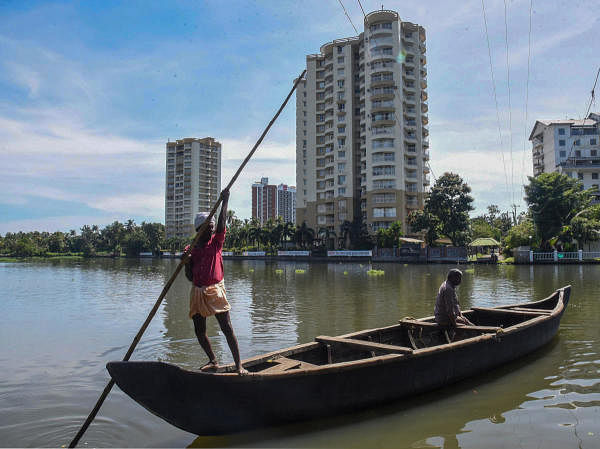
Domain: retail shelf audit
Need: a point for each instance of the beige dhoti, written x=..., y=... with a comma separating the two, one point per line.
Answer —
x=208, y=300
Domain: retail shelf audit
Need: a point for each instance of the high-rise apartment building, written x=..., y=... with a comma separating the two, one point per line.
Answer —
x=568, y=146
x=286, y=202
x=271, y=201
x=193, y=182
x=264, y=200
x=361, y=127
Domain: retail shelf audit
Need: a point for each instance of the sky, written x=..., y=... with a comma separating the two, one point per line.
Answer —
x=91, y=91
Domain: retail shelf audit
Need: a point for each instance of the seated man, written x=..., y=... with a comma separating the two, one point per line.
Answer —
x=447, y=310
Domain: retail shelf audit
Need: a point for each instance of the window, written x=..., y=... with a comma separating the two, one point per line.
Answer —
x=340, y=83
x=340, y=49
x=341, y=129
x=563, y=154
x=341, y=166
x=340, y=59
x=384, y=184
x=592, y=141
x=304, y=113
x=304, y=122
x=386, y=26
x=384, y=170
x=304, y=143
x=594, y=175
x=342, y=154
x=577, y=142
x=304, y=192
x=594, y=153
x=383, y=143
x=342, y=179
x=342, y=205
x=304, y=152
x=321, y=85
x=578, y=153
x=580, y=176
x=304, y=132
x=341, y=106
x=561, y=143
x=341, y=71
x=304, y=181
x=341, y=141
x=379, y=157
x=384, y=198
x=304, y=103
x=342, y=191
x=304, y=94
x=384, y=212
x=561, y=131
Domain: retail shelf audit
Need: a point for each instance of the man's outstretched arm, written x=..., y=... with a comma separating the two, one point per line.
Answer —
x=223, y=214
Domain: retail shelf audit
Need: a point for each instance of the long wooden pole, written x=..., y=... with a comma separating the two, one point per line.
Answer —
x=184, y=258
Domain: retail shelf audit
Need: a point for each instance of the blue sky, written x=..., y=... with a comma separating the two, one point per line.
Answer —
x=91, y=91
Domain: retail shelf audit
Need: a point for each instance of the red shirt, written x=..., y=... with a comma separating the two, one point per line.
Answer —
x=207, y=261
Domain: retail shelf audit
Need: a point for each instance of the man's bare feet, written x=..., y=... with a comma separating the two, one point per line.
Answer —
x=210, y=366
x=242, y=371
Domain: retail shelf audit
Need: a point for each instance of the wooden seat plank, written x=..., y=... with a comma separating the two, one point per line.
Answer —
x=500, y=311
x=284, y=364
x=526, y=309
x=364, y=345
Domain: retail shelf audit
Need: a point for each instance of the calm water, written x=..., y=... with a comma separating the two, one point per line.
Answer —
x=60, y=322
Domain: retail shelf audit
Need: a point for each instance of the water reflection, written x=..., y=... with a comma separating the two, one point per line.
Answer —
x=90, y=311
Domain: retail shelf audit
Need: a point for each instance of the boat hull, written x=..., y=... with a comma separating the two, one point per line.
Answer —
x=213, y=404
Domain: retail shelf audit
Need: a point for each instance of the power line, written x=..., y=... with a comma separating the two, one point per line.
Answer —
x=345, y=12
x=361, y=8
x=526, y=101
x=592, y=98
x=512, y=177
x=495, y=95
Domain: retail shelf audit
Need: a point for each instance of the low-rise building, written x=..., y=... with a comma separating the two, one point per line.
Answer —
x=568, y=146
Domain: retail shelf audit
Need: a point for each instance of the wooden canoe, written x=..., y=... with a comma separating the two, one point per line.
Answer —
x=335, y=375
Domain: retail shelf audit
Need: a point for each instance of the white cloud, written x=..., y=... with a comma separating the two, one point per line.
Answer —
x=52, y=224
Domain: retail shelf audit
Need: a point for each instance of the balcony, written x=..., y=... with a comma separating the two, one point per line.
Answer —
x=581, y=162
x=425, y=155
x=424, y=108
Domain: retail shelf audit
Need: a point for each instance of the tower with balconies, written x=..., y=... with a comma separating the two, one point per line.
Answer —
x=192, y=182
x=361, y=127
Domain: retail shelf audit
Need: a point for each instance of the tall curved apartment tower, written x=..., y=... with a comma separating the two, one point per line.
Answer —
x=361, y=127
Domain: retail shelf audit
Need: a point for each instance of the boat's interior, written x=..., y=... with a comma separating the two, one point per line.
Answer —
x=403, y=338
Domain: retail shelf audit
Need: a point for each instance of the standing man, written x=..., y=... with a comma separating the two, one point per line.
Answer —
x=204, y=269
x=447, y=310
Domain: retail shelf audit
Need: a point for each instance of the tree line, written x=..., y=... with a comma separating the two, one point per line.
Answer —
x=561, y=214
x=114, y=239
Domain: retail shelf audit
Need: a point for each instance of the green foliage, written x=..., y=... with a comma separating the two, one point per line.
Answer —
x=482, y=228
x=91, y=242
x=553, y=200
x=523, y=234
x=388, y=237
x=446, y=211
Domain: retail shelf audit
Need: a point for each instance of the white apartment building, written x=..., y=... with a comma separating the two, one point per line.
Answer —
x=192, y=182
x=286, y=203
x=361, y=127
x=568, y=146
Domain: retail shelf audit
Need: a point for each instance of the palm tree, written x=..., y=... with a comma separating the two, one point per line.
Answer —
x=304, y=235
x=327, y=235
x=345, y=231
